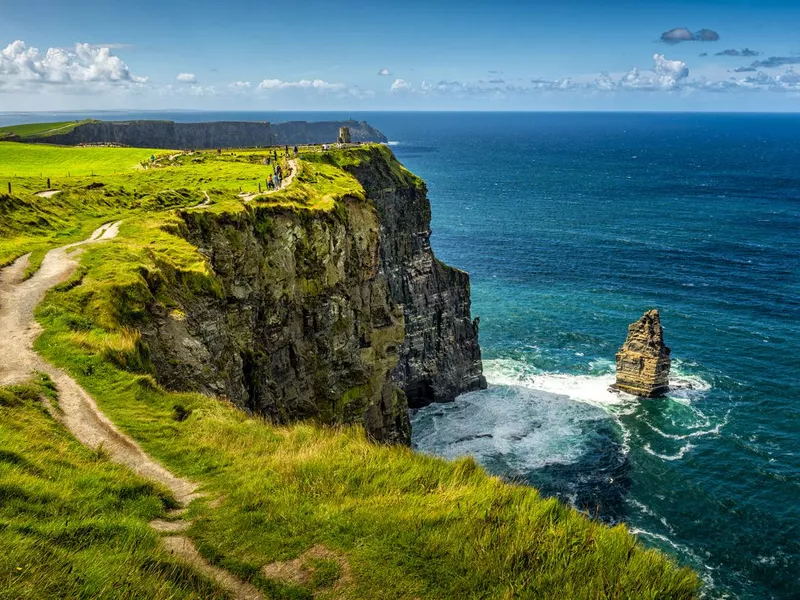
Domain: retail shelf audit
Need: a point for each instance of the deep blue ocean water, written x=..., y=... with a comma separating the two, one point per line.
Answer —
x=572, y=225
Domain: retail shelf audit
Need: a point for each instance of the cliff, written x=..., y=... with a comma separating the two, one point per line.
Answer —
x=342, y=315
x=320, y=300
x=643, y=362
x=171, y=135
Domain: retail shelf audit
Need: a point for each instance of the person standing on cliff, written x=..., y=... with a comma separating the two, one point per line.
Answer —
x=295, y=150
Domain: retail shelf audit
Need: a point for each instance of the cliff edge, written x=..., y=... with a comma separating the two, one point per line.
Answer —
x=343, y=315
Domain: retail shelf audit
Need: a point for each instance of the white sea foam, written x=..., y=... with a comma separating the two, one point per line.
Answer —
x=700, y=433
x=519, y=429
x=591, y=389
x=391, y=143
x=595, y=389
x=670, y=457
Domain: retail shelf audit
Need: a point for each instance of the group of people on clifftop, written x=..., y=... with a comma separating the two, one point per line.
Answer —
x=274, y=182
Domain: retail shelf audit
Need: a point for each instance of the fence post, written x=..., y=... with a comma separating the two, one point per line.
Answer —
x=9, y=188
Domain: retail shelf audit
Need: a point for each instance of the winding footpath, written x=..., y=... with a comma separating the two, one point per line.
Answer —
x=77, y=409
x=285, y=182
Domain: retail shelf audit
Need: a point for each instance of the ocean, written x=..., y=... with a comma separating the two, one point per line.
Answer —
x=571, y=226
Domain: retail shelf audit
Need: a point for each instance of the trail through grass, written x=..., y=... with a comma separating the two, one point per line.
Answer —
x=73, y=524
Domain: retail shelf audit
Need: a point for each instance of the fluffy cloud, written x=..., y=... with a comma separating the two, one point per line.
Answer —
x=186, y=78
x=681, y=34
x=666, y=75
x=401, y=85
x=384, y=72
x=22, y=67
x=240, y=85
x=303, y=84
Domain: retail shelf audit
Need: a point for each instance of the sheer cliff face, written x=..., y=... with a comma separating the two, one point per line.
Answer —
x=441, y=357
x=171, y=135
x=334, y=316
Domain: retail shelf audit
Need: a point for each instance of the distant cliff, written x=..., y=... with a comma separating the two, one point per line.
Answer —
x=168, y=134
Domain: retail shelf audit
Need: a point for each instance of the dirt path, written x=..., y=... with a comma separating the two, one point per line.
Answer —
x=285, y=182
x=77, y=409
x=204, y=203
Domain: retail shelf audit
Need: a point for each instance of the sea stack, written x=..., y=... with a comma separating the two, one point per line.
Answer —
x=643, y=361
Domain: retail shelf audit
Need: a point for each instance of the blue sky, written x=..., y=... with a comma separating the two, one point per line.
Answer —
x=576, y=55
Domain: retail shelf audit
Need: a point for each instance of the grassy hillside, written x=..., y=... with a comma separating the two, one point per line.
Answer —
x=363, y=521
x=73, y=524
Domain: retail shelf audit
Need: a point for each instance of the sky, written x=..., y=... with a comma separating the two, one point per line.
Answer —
x=691, y=55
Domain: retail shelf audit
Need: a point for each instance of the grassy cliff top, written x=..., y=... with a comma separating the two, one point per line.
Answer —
x=400, y=524
x=32, y=130
x=92, y=185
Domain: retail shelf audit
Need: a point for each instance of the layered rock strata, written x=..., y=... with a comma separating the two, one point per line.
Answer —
x=643, y=362
x=343, y=316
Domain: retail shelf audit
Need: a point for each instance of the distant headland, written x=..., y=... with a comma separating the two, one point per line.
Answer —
x=184, y=136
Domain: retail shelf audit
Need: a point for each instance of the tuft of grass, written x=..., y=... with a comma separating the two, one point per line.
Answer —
x=73, y=524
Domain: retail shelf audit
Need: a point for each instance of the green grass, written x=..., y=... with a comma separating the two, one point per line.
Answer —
x=407, y=525
x=29, y=130
x=102, y=184
x=38, y=160
x=73, y=524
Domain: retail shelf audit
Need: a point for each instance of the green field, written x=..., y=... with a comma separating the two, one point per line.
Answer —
x=32, y=130
x=400, y=524
x=58, y=162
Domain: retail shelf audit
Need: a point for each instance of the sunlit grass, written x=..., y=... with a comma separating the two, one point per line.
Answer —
x=72, y=523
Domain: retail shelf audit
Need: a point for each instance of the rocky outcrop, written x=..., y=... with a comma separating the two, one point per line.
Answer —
x=643, y=362
x=171, y=135
x=342, y=316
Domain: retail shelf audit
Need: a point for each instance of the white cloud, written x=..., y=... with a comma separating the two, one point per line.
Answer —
x=186, y=78
x=203, y=90
x=22, y=67
x=384, y=72
x=401, y=85
x=303, y=84
x=666, y=75
x=240, y=85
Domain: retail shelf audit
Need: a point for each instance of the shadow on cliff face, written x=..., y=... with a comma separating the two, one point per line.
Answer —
x=566, y=449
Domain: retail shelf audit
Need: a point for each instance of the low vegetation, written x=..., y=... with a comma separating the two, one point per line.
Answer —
x=33, y=130
x=72, y=523
x=300, y=511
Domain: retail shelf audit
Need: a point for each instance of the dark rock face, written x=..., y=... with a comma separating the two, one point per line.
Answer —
x=333, y=316
x=302, y=327
x=643, y=362
x=178, y=136
x=441, y=357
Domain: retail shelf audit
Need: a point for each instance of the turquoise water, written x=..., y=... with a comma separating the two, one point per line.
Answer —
x=572, y=225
